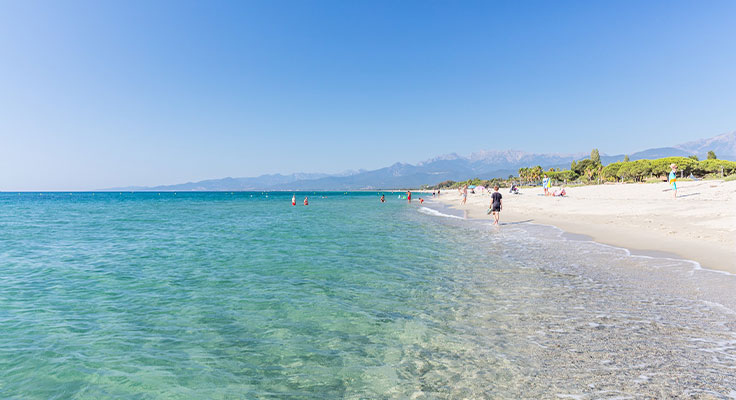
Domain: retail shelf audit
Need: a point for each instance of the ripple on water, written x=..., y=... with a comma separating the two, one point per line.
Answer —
x=220, y=296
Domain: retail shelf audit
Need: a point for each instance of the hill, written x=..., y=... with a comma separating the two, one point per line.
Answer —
x=485, y=164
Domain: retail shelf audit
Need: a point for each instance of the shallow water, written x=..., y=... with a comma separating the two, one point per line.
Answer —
x=219, y=295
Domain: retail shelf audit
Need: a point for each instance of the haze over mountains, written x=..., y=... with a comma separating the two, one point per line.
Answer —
x=484, y=164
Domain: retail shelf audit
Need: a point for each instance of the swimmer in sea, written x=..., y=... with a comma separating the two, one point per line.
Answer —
x=383, y=199
x=293, y=200
x=408, y=195
x=306, y=201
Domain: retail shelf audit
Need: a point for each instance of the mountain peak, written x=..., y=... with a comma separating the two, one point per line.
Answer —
x=443, y=157
x=723, y=145
x=497, y=155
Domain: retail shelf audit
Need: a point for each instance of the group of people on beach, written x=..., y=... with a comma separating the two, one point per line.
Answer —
x=547, y=186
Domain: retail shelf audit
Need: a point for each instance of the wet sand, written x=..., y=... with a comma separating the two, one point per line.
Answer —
x=699, y=225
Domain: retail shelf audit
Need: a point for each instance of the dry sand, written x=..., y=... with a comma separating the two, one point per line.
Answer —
x=699, y=225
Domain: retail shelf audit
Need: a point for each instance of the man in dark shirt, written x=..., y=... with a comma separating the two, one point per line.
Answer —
x=496, y=204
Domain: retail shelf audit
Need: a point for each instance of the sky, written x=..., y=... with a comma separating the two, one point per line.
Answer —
x=97, y=94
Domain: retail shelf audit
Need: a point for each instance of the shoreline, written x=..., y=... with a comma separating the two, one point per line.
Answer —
x=700, y=226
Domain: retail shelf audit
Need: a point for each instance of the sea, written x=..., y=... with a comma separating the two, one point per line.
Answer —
x=240, y=295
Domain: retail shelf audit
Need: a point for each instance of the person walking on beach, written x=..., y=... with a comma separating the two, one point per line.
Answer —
x=496, y=205
x=465, y=195
x=673, y=180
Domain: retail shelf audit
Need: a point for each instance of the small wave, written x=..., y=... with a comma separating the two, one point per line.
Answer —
x=696, y=265
x=429, y=211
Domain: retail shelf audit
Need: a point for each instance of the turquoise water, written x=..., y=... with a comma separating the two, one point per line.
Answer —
x=241, y=295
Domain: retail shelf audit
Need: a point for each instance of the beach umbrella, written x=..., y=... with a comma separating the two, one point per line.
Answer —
x=480, y=187
x=471, y=187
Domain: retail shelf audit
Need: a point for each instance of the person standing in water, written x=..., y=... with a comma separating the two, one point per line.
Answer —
x=408, y=195
x=306, y=201
x=383, y=199
x=673, y=180
x=293, y=199
x=496, y=205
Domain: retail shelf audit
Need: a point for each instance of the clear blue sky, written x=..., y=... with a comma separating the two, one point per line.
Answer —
x=100, y=93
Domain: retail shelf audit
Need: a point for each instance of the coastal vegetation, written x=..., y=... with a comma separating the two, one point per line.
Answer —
x=591, y=170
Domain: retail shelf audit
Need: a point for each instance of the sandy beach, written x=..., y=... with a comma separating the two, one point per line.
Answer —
x=699, y=225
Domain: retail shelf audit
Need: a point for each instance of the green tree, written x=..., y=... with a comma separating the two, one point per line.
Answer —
x=712, y=155
x=635, y=170
x=610, y=171
x=590, y=173
x=640, y=169
x=445, y=184
x=626, y=158
x=714, y=166
x=624, y=171
x=693, y=157
x=661, y=166
x=581, y=166
x=595, y=156
x=537, y=172
x=523, y=173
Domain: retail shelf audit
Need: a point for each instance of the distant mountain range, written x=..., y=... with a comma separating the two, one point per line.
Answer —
x=483, y=164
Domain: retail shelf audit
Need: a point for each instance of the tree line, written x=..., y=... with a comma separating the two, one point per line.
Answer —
x=592, y=170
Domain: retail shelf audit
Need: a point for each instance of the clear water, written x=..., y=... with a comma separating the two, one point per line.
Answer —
x=227, y=296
